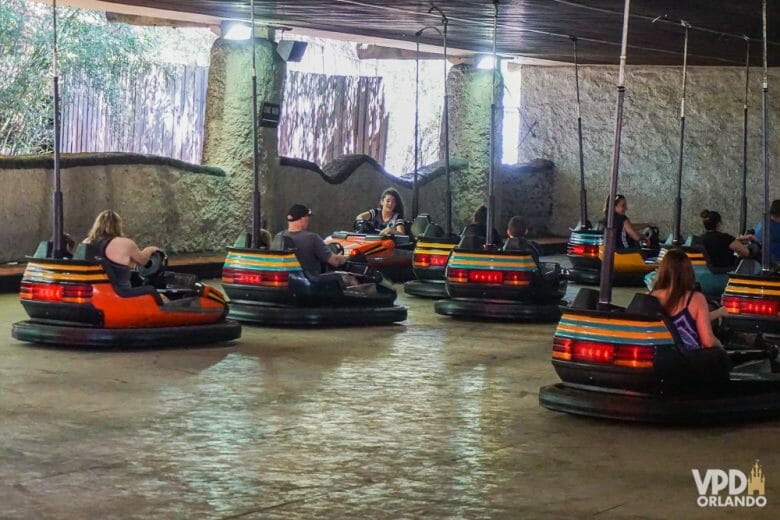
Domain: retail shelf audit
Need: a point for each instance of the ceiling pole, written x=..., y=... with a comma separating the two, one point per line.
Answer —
x=492, y=171
x=676, y=237
x=743, y=206
x=256, y=208
x=584, y=223
x=448, y=188
x=57, y=209
x=766, y=258
x=415, y=185
x=605, y=286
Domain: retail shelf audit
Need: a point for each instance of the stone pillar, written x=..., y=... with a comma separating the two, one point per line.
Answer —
x=227, y=141
x=470, y=99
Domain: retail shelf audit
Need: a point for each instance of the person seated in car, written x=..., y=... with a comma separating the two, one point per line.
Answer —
x=626, y=233
x=774, y=232
x=106, y=240
x=478, y=227
x=720, y=246
x=516, y=228
x=388, y=218
x=310, y=249
x=675, y=288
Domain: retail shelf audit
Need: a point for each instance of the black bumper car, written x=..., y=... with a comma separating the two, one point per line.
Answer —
x=585, y=251
x=629, y=365
x=504, y=285
x=429, y=259
x=269, y=287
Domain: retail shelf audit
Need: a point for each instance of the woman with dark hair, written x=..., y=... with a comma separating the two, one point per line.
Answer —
x=720, y=246
x=675, y=288
x=626, y=233
x=388, y=218
x=106, y=239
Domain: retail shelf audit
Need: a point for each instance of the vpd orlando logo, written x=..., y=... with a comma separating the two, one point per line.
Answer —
x=730, y=488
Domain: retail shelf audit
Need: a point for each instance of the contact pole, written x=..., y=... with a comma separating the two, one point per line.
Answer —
x=676, y=237
x=584, y=224
x=492, y=171
x=766, y=257
x=415, y=186
x=57, y=207
x=605, y=286
x=743, y=206
x=256, y=209
x=448, y=187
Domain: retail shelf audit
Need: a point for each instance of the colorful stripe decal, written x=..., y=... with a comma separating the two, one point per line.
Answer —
x=586, y=239
x=498, y=262
x=260, y=262
x=47, y=273
x=613, y=330
x=433, y=250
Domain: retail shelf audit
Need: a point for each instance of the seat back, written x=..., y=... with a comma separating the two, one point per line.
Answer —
x=282, y=242
x=420, y=224
x=82, y=252
x=748, y=266
x=433, y=231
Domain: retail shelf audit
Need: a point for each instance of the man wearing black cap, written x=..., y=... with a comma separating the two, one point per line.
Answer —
x=310, y=248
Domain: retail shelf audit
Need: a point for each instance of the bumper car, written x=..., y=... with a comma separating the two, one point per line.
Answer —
x=752, y=298
x=429, y=259
x=75, y=302
x=269, y=287
x=585, y=251
x=628, y=364
x=507, y=285
x=711, y=280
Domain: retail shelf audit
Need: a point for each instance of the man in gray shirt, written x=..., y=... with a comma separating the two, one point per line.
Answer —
x=309, y=247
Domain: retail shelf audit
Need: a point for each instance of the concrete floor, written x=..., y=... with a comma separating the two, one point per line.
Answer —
x=433, y=417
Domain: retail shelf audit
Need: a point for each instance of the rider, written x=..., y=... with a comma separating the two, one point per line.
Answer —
x=774, y=231
x=309, y=247
x=478, y=227
x=626, y=233
x=675, y=288
x=388, y=218
x=720, y=246
x=516, y=228
x=105, y=239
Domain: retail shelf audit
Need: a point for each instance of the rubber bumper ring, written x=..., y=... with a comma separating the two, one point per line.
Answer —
x=426, y=289
x=292, y=316
x=498, y=309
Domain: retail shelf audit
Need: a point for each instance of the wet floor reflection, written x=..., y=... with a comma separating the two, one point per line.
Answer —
x=433, y=417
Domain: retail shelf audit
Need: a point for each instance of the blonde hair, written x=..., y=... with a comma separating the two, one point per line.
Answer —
x=108, y=223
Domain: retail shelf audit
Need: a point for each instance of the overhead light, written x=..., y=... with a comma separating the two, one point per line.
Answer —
x=485, y=62
x=238, y=31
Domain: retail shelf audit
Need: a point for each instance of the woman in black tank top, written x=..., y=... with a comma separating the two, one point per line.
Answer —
x=626, y=234
x=106, y=240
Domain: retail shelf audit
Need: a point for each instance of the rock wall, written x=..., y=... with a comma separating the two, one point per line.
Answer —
x=712, y=166
x=160, y=204
x=228, y=129
x=470, y=97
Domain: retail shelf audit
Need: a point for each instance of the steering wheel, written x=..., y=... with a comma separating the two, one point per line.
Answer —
x=336, y=248
x=649, y=238
x=158, y=262
x=364, y=226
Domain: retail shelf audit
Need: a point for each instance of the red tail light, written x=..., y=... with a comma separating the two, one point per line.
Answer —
x=248, y=277
x=482, y=276
x=426, y=260
x=761, y=307
x=562, y=348
x=457, y=275
x=633, y=356
x=583, y=250
x=438, y=260
x=53, y=292
x=421, y=260
x=517, y=277
x=592, y=352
